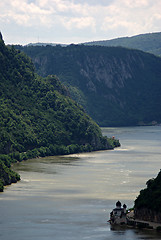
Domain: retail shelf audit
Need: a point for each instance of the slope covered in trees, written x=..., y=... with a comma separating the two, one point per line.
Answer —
x=150, y=42
x=117, y=86
x=37, y=117
x=148, y=203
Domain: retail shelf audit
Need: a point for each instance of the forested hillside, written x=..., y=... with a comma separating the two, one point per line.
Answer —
x=148, y=203
x=150, y=42
x=37, y=117
x=117, y=86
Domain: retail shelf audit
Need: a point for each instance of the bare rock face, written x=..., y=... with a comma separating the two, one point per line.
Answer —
x=110, y=72
x=146, y=214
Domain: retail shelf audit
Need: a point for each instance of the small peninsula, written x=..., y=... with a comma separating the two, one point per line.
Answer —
x=38, y=116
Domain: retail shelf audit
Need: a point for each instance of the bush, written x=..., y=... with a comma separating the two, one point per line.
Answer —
x=1, y=186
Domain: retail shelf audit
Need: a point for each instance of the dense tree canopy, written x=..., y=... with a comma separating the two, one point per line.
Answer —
x=150, y=197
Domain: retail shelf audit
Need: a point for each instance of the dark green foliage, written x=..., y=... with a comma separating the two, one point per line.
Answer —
x=37, y=112
x=1, y=185
x=37, y=117
x=150, y=197
x=116, y=86
x=7, y=176
x=1, y=38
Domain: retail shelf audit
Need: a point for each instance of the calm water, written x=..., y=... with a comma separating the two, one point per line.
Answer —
x=70, y=198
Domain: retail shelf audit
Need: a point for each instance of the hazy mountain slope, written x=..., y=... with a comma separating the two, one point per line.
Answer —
x=117, y=86
x=150, y=42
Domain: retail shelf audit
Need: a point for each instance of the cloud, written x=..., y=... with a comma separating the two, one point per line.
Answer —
x=103, y=18
x=135, y=3
x=79, y=23
x=25, y=12
x=133, y=16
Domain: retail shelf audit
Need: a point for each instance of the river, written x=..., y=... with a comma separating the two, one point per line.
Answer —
x=71, y=197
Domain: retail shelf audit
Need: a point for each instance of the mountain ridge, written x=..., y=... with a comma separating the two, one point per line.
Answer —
x=149, y=42
x=117, y=86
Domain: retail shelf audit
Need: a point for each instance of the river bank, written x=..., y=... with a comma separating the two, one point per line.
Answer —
x=8, y=176
x=137, y=223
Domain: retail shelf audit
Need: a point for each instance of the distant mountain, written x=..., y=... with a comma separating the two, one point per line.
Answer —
x=150, y=42
x=117, y=86
x=45, y=44
x=37, y=116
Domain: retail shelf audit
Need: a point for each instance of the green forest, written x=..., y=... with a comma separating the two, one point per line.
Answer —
x=38, y=117
x=150, y=197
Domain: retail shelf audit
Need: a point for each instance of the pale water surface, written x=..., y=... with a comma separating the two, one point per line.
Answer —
x=70, y=197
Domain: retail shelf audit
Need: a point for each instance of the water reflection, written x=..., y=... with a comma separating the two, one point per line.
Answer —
x=45, y=165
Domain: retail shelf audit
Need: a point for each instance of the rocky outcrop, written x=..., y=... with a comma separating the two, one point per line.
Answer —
x=110, y=72
x=146, y=214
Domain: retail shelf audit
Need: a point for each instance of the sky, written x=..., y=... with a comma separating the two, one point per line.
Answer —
x=76, y=21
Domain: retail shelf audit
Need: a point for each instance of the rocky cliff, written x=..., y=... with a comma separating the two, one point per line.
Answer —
x=147, y=214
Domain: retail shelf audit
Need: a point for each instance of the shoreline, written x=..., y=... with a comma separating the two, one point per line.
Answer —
x=137, y=223
x=133, y=222
x=9, y=176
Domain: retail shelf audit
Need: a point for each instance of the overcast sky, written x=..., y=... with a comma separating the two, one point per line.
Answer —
x=76, y=21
